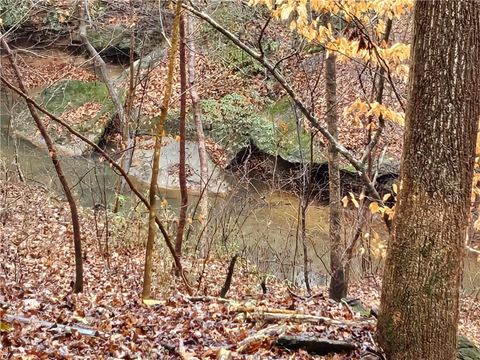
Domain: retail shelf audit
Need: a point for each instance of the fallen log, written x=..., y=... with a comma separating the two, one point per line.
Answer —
x=314, y=345
x=289, y=315
x=254, y=309
x=260, y=336
x=212, y=299
x=50, y=325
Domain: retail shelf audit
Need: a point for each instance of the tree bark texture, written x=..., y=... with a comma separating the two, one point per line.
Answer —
x=202, y=150
x=338, y=282
x=152, y=195
x=423, y=271
x=182, y=177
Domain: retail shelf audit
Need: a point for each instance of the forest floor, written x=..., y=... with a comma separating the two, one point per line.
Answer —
x=37, y=262
x=36, y=276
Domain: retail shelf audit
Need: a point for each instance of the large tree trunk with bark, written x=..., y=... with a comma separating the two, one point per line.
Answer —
x=423, y=271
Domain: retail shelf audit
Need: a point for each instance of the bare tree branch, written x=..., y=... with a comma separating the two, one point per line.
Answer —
x=114, y=164
x=357, y=164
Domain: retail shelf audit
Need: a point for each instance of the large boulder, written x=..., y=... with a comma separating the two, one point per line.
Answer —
x=141, y=168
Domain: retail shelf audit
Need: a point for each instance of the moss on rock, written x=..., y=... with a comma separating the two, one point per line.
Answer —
x=66, y=99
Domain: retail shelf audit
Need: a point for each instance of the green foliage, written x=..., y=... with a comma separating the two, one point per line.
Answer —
x=98, y=9
x=231, y=15
x=55, y=20
x=70, y=94
x=13, y=13
x=277, y=134
x=109, y=37
x=466, y=349
x=19, y=12
x=240, y=60
x=172, y=125
x=236, y=17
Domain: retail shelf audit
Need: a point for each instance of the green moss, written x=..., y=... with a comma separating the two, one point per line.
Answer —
x=231, y=119
x=70, y=94
x=466, y=349
x=281, y=107
x=109, y=37
x=277, y=134
x=13, y=12
x=235, y=122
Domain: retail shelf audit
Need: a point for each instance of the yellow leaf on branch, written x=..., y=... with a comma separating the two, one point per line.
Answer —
x=374, y=207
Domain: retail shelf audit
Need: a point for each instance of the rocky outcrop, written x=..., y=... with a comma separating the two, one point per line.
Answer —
x=141, y=168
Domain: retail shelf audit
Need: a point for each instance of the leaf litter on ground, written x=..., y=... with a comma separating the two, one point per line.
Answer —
x=36, y=283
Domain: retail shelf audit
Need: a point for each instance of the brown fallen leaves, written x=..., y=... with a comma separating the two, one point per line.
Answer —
x=35, y=282
x=41, y=68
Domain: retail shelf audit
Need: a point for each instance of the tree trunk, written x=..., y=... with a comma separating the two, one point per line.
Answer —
x=102, y=69
x=52, y=152
x=147, y=277
x=423, y=271
x=338, y=281
x=128, y=143
x=183, y=116
x=202, y=151
x=123, y=116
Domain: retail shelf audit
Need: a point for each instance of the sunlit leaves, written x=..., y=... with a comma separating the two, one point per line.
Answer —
x=359, y=108
x=350, y=198
x=374, y=207
x=354, y=200
x=382, y=208
x=378, y=245
x=164, y=203
x=286, y=12
x=305, y=17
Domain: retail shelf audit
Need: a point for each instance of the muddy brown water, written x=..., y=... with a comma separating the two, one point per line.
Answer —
x=260, y=222
x=253, y=219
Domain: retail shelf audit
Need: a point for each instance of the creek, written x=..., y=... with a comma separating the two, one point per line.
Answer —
x=253, y=218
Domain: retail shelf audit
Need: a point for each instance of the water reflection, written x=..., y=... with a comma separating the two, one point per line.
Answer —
x=260, y=223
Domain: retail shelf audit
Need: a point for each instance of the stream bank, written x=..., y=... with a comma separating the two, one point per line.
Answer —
x=258, y=187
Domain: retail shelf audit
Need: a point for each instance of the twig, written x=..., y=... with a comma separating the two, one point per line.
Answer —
x=288, y=315
x=228, y=279
x=305, y=298
x=469, y=248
